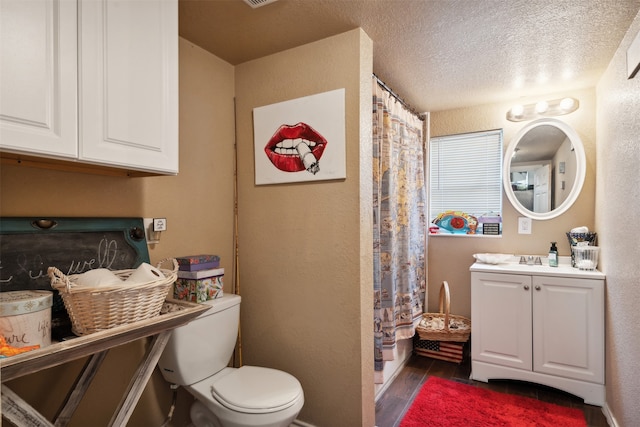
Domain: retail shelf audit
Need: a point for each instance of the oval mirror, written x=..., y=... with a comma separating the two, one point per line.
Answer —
x=544, y=169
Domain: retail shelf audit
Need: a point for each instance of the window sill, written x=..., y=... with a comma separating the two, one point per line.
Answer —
x=489, y=236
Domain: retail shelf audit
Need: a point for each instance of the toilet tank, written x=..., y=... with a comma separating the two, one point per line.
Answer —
x=204, y=346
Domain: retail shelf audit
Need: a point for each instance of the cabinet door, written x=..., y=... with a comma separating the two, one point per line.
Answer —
x=38, y=95
x=501, y=319
x=129, y=84
x=568, y=327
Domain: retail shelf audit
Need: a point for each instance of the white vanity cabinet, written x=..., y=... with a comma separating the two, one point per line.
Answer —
x=94, y=81
x=539, y=324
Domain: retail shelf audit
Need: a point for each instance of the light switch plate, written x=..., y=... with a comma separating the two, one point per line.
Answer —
x=524, y=225
x=159, y=224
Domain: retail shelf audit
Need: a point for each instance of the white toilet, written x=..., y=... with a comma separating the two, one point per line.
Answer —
x=197, y=356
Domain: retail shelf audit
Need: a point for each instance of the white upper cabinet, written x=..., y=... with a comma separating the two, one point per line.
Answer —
x=38, y=77
x=129, y=83
x=108, y=86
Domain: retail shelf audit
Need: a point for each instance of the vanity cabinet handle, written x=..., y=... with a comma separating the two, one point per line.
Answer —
x=526, y=287
x=538, y=287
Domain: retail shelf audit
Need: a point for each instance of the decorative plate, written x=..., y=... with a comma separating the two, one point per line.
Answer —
x=457, y=222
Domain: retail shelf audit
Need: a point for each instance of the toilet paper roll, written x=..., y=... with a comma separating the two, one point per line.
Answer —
x=97, y=277
x=145, y=273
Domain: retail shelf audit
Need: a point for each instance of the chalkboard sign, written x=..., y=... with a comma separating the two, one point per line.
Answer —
x=29, y=246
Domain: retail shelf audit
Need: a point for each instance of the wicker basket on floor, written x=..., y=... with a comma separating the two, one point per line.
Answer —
x=92, y=309
x=444, y=326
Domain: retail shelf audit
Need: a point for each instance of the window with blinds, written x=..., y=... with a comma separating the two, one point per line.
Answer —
x=465, y=173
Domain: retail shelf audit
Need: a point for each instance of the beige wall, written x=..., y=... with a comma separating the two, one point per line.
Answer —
x=618, y=201
x=450, y=256
x=305, y=248
x=198, y=205
x=305, y=264
x=307, y=299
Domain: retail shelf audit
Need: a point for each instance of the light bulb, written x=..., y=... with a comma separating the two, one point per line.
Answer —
x=517, y=110
x=542, y=106
x=567, y=104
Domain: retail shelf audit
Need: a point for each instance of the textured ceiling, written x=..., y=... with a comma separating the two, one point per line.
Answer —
x=435, y=54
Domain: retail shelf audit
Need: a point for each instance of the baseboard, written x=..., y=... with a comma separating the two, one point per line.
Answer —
x=299, y=423
x=609, y=416
x=387, y=383
x=392, y=368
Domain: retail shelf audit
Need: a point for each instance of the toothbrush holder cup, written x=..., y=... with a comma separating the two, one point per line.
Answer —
x=586, y=257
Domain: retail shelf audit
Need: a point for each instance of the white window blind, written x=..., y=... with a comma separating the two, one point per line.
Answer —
x=465, y=173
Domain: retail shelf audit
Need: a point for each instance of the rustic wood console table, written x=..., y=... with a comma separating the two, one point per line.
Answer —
x=96, y=346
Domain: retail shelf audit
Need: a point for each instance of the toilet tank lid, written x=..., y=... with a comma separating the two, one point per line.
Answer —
x=222, y=303
x=253, y=389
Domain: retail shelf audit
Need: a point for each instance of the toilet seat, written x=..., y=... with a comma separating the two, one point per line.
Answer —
x=256, y=390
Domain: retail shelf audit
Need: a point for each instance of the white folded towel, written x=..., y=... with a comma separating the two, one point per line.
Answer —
x=582, y=229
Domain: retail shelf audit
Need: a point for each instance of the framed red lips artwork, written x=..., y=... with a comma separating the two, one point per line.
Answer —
x=301, y=140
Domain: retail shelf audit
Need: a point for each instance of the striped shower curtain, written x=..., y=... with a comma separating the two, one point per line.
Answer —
x=399, y=223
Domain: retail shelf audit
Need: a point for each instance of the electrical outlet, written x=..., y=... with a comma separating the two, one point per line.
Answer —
x=524, y=225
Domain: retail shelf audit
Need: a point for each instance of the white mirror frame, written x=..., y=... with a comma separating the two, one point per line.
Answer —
x=581, y=164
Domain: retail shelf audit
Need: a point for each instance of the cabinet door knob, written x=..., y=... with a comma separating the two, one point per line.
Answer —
x=537, y=287
x=526, y=287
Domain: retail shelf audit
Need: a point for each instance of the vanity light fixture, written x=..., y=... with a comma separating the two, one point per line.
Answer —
x=542, y=107
x=517, y=110
x=556, y=107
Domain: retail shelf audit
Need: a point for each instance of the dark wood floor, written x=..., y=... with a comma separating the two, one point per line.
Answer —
x=395, y=401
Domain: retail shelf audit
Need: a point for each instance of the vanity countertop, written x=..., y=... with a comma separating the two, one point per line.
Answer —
x=513, y=266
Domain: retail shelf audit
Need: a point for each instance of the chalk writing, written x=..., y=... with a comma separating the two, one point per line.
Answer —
x=25, y=258
x=106, y=254
x=34, y=267
x=24, y=266
x=8, y=279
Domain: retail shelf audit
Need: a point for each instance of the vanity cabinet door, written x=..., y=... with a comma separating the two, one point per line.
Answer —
x=568, y=327
x=501, y=319
x=38, y=82
x=129, y=84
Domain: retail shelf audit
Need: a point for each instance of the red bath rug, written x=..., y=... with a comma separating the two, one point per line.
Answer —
x=444, y=403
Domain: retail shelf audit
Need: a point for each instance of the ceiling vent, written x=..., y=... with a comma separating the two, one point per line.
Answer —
x=257, y=3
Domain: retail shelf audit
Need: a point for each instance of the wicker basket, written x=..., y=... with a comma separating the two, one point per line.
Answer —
x=92, y=309
x=444, y=326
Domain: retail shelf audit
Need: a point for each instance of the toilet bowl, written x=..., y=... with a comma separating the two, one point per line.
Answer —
x=248, y=396
x=197, y=357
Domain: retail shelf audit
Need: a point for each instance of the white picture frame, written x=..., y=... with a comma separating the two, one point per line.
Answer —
x=301, y=140
x=633, y=57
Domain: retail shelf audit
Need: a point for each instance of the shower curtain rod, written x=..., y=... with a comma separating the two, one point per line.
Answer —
x=421, y=116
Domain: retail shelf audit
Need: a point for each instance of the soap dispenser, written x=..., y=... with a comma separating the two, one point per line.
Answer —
x=553, y=255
